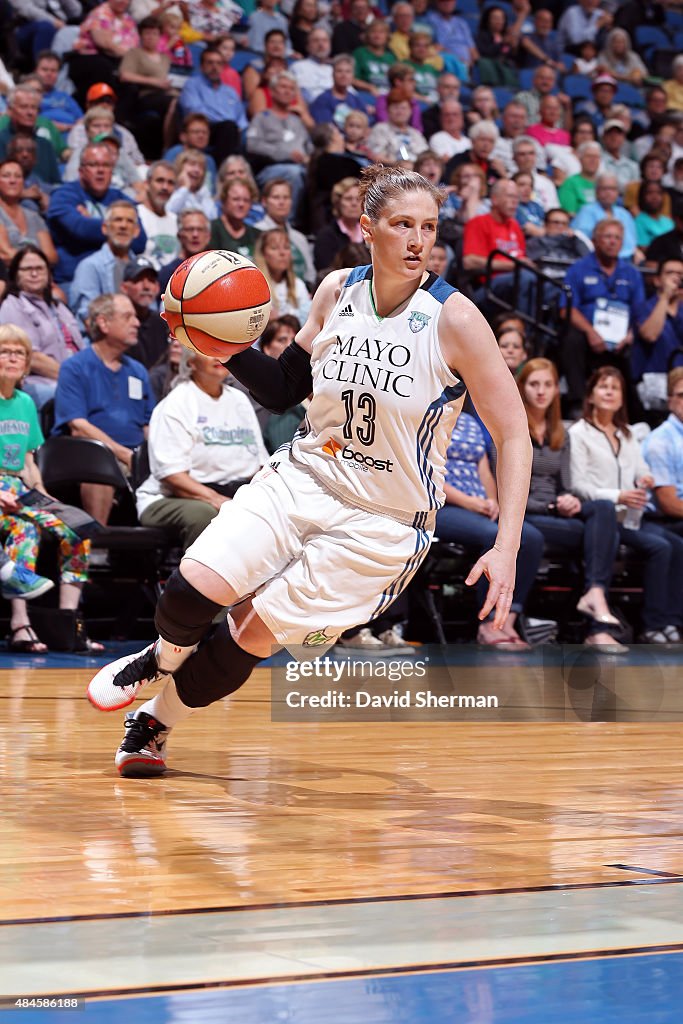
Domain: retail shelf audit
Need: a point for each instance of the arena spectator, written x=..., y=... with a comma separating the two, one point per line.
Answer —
x=158, y=223
x=652, y=168
x=191, y=191
x=347, y=35
x=204, y=442
x=150, y=94
x=467, y=199
x=601, y=107
x=581, y=22
x=542, y=46
x=669, y=246
x=230, y=230
x=470, y=517
x=651, y=222
x=673, y=87
x=273, y=257
x=401, y=78
x=194, y=235
x=618, y=58
x=102, y=271
x=227, y=47
x=51, y=327
x=451, y=139
x=101, y=94
x=648, y=123
x=104, y=394
x=497, y=43
x=76, y=211
x=23, y=107
x=344, y=226
x=314, y=74
x=530, y=215
x=212, y=20
x=279, y=429
x=394, y=139
x=403, y=20
x=373, y=59
x=195, y=133
x=106, y=34
x=555, y=510
x=280, y=140
x=334, y=104
x=607, y=464
x=262, y=21
x=484, y=136
x=40, y=20
x=23, y=526
x=483, y=106
x=614, y=161
x=544, y=83
x=513, y=126
x=578, y=190
x=663, y=451
x=499, y=230
x=36, y=193
x=607, y=293
x=141, y=284
x=452, y=33
x=546, y=131
x=205, y=93
x=17, y=224
x=356, y=135
x=607, y=205
x=277, y=202
x=525, y=158
x=559, y=247
x=60, y=107
x=426, y=75
x=303, y=19
x=100, y=127
x=275, y=49
x=658, y=342
x=448, y=88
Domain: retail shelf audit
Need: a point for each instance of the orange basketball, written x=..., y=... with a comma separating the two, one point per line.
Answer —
x=216, y=303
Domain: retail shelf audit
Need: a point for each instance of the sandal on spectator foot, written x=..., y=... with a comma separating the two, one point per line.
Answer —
x=29, y=645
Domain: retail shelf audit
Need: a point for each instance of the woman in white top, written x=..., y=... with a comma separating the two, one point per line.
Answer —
x=607, y=463
x=273, y=257
x=204, y=442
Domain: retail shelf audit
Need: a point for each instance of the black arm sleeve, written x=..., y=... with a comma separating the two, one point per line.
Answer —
x=276, y=384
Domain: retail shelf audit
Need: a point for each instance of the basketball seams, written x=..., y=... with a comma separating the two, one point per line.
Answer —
x=217, y=280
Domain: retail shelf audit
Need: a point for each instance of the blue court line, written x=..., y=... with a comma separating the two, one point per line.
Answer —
x=609, y=990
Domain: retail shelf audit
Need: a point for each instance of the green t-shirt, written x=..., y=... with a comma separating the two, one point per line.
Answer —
x=426, y=78
x=575, y=192
x=373, y=69
x=221, y=239
x=45, y=128
x=19, y=431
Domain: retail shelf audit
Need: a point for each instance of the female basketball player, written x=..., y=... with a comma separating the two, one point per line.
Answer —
x=333, y=529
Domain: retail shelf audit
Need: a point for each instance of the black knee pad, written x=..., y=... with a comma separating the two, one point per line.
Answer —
x=183, y=615
x=218, y=667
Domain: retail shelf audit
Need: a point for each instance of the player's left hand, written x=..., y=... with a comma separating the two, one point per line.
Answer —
x=499, y=569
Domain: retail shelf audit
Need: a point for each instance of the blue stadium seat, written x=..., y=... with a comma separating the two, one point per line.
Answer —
x=577, y=87
x=674, y=20
x=649, y=37
x=503, y=95
x=241, y=59
x=678, y=39
x=526, y=77
x=468, y=7
x=630, y=95
x=568, y=59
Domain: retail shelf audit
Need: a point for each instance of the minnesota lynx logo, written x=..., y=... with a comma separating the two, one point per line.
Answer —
x=416, y=321
x=318, y=638
x=332, y=448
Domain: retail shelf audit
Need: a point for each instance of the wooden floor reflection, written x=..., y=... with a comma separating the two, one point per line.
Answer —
x=255, y=813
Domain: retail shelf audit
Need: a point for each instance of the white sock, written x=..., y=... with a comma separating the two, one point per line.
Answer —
x=167, y=706
x=171, y=657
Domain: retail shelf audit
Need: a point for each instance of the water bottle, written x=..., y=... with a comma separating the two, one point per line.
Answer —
x=633, y=518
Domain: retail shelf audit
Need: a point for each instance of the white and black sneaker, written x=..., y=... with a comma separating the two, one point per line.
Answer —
x=117, y=685
x=142, y=752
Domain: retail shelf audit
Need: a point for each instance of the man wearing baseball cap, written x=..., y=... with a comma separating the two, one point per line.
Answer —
x=614, y=162
x=141, y=285
x=604, y=89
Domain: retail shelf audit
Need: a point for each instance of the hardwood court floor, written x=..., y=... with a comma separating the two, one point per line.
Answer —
x=256, y=813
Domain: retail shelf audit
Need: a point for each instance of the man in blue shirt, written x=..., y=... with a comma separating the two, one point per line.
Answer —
x=102, y=272
x=606, y=294
x=58, y=106
x=205, y=93
x=105, y=395
x=606, y=205
x=335, y=103
x=451, y=32
x=76, y=211
x=663, y=451
x=660, y=324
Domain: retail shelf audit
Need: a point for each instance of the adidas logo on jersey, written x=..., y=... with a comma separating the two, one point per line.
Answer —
x=346, y=311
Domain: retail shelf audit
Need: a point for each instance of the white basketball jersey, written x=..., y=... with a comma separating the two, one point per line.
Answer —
x=385, y=403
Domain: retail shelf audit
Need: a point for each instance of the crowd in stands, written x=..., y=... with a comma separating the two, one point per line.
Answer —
x=136, y=133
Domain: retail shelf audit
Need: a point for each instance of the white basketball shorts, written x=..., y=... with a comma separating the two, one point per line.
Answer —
x=315, y=566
